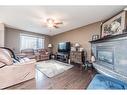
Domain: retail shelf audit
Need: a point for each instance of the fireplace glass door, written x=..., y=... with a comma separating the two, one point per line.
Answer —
x=105, y=54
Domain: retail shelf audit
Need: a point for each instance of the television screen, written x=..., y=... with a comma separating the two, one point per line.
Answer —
x=64, y=47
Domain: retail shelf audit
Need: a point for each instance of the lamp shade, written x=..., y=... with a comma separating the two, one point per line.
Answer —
x=77, y=44
x=49, y=45
x=93, y=59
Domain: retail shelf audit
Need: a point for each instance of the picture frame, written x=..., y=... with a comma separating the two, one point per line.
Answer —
x=114, y=25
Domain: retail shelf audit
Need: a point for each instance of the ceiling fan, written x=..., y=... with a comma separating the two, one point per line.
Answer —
x=51, y=23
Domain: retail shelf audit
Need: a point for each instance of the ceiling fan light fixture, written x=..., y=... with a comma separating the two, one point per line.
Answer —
x=51, y=23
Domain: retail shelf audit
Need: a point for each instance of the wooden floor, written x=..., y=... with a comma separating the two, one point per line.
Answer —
x=73, y=78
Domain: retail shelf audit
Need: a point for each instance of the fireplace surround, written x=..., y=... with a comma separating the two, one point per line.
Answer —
x=111, y=56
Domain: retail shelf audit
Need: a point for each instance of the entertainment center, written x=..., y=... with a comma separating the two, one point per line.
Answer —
x=66, y=55
x=62, y=57
x=63, y=51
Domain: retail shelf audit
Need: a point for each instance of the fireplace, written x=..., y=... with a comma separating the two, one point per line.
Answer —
x=105, y=54
x=111, y=56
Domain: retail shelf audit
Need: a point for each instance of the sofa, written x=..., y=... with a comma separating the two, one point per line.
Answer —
x=38, y=54
x=30, y=53
x=13, y=73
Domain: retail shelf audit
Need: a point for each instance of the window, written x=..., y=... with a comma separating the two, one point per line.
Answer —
x=30, y=41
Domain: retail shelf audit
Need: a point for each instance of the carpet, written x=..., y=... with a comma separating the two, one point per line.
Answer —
x=52, y=68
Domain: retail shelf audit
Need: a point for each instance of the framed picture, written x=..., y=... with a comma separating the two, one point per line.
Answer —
x=114, y=25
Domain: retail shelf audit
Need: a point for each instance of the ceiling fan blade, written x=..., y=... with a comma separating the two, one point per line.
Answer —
x=58, y=22
x=55, y=26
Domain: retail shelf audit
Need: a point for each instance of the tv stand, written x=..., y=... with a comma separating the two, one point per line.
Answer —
x=62, y=57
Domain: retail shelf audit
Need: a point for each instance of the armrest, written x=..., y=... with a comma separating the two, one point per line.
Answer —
x=37, y=53
x=47, y=53
x=27, y=62
x=32, y=61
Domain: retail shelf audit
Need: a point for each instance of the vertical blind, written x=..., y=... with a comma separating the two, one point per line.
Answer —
x=30, y=41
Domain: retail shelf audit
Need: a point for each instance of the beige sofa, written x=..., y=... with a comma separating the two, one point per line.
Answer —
x=38, y=54
x=17, y=73
x=30, y=53
x=11, y=74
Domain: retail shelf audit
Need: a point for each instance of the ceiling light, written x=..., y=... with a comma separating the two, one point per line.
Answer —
x=53, y=23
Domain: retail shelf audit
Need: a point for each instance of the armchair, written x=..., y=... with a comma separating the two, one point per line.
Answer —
x=44, y=54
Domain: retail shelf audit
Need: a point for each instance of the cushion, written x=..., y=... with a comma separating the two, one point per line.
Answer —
x=5, y=57
x=2, y=64
x=28, y=51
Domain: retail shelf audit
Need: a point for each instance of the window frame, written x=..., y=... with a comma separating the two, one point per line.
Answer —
x=35, y=36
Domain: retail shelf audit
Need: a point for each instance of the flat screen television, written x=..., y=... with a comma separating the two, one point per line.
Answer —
x=64, y=47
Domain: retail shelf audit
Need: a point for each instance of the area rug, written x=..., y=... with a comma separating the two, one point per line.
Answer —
x=52, y=68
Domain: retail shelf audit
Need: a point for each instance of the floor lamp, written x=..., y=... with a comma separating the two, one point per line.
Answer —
x=50, y=48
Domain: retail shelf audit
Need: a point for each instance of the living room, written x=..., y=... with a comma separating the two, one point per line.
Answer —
x=53, y=47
